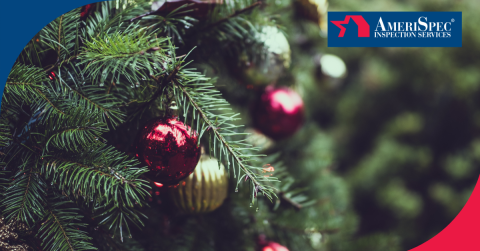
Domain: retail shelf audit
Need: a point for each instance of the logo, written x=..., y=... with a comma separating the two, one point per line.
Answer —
x=363, y=27
x=395, y=29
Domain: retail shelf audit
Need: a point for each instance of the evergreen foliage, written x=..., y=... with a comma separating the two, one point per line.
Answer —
x=75, y=83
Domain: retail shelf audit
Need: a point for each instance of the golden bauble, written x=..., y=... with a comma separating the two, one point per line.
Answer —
x=204, y=190
x=257, y=139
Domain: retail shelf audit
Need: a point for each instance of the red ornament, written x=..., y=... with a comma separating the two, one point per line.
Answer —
x=279, y=112
x=273, y=246
x=269, y=245
x=86, y=11
x=169, y=149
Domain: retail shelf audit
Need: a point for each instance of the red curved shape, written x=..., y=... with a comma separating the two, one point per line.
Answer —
x=363, y=27
x=462, y=233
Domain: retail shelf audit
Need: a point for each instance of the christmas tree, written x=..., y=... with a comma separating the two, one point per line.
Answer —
x=229, y=125
x=105, y=113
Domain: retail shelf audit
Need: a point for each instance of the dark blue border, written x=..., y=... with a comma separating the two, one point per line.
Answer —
x=21, y=20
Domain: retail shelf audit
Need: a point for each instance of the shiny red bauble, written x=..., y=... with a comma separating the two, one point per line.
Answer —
x=169, y=148
x=278, y=113
x=273, y=246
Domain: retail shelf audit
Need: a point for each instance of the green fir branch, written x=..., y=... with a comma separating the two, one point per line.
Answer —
x=106, y=180
x=23, y=84
x=174, y=24
x=73, y=97
x=220, y=129
x=113, y=16
x=101, y=174
x=60, y=229
x=132, y=54
x=118, y=216
x=78, y=132
x=25, y=197
x=231, y=16
x=5, y=135
x=195, y=92
x=61, y=35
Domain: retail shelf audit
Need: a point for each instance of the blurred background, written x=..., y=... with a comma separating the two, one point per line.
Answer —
x=404, y=122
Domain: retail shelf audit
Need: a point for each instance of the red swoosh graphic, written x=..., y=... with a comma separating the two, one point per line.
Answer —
x=462, y=233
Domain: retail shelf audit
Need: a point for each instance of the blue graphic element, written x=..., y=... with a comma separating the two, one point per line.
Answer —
x=21, y=20
x=396, y=29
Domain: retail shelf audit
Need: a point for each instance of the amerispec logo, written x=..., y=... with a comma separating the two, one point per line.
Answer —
x=363, y=27
x=394, y=29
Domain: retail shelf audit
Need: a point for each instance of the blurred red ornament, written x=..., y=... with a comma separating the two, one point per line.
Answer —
x=169, y=149
x=86, y=11
x=279, y=112
x=273, y=246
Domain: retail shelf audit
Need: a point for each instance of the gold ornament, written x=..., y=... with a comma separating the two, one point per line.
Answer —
x=204, y=190
x=257, y=139
x=268, y=69
x=315, y=11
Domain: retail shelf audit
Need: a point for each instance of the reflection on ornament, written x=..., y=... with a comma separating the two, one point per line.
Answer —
x=331, y=70
x=275, y=42
x=315, y=239
x=279, y=112
x=204, y=190
x=169, y=149
x=333, y=66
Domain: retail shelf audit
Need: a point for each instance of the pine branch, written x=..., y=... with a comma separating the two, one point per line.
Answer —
x=24, y=199
x=114, y=14
x=60, y=228
x=236, y=13
x=171, y=23
x=71, y=93
x=107, y=181
x=61, y=62
x=290, y=201
x=61, y=35
x=5, y=135
x=49, y=102
x=103, y=174
x=23, y=84
x=229, y=149
x=78, y=132
x=130, y=56
x=117, y=217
